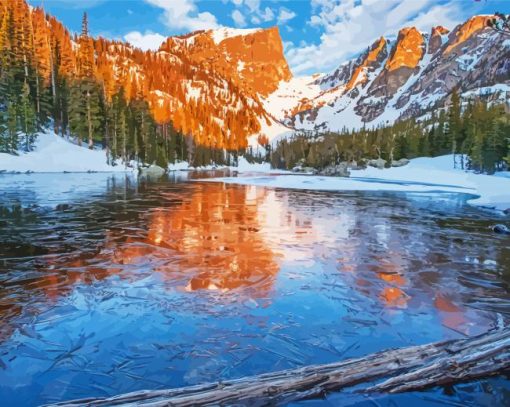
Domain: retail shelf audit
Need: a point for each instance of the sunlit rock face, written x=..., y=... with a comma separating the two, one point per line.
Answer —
x=408, y=77
x=465, y=31
x=252, y=59
x=403, y=62
x=408, y=51
x=368, y=62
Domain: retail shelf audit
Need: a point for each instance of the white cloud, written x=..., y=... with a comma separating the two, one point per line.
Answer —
x=184, y=15
x=285, y=15
x=146, y=41
x=350, y=26
x=238, y=18
x=252, y=7
x=267, y=15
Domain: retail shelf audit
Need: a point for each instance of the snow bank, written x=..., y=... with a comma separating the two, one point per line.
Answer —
x=245, y=166
x=420, y=175
x=52, y=153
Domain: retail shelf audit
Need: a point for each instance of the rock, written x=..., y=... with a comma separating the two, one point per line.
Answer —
x=62, y=207
x=501, y=229
x=360, y=165
x=507, y=211
x=400, y=163
x=299, y=168
x=379, y=163
x=339, y=170
x=152, y=171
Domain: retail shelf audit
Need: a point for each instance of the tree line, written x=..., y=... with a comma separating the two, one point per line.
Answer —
x=477, y=129
x=100, y=93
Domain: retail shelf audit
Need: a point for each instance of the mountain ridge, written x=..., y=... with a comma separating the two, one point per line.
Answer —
x=230, y=88
x=405, y=77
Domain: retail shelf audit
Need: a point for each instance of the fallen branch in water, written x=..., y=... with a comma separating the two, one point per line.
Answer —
x=405, y=369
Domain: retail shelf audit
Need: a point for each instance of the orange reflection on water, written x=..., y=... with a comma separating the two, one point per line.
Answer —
x=214, y=237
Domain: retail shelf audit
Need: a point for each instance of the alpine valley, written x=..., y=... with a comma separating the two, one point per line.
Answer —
x=232, y=88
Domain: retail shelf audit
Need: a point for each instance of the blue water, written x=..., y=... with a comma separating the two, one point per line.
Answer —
x=109, y=284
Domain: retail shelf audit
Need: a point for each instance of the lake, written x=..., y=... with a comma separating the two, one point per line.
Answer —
x=109, y=284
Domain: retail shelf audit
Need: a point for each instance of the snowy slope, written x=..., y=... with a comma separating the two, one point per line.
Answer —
x=399, y=79
x=289, y=94
x=52, y=153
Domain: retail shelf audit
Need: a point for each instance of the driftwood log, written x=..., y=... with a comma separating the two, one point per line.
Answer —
x=398, y=370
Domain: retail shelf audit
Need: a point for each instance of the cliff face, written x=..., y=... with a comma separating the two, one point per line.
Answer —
x=252, y=59
x=227, y=86
x=416, y=74
x=408, y=50
x=367, y=63
x=405, y=56
x=466, y=31
x=437, y=35
x=208, y=84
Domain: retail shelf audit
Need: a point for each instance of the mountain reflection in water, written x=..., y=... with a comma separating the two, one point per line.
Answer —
x=130, y=285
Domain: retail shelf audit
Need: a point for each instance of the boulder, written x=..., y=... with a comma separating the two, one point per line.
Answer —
x=507, y=211
x=354, y=165
x=379, y=163
x=338, y=170
x=152, y=171
x=501, y=229
x=400, y=163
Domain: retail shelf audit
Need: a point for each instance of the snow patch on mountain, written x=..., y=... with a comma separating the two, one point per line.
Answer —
x=274, y=131
x=222, y=34
x=289, y=94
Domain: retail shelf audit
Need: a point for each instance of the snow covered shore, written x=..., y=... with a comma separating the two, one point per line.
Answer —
x=53, y=153
x=420, y=175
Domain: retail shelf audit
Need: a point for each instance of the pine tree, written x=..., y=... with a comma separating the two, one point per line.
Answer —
x=28, y=117
x=455, y=130
x=12, y=128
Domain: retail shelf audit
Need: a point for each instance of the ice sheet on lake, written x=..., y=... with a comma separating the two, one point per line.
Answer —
x=421, y=175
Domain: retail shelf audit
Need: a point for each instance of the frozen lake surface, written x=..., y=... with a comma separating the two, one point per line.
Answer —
x=109, y=284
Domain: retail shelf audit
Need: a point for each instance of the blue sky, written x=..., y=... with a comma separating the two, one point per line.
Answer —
x=318, y=34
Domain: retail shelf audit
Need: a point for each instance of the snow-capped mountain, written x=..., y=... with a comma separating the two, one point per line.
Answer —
x=399, y=79
x=227, y=88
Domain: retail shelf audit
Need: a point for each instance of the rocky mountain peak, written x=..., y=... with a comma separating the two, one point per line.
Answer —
x=368, y=61
x=436, y=38
x=465, y=31
x=253, y=58
x=408, y=50
x=387, y=83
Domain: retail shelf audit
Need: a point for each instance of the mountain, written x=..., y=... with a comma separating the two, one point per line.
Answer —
x=396, y=79
x=230, y=88
x=207, y=84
